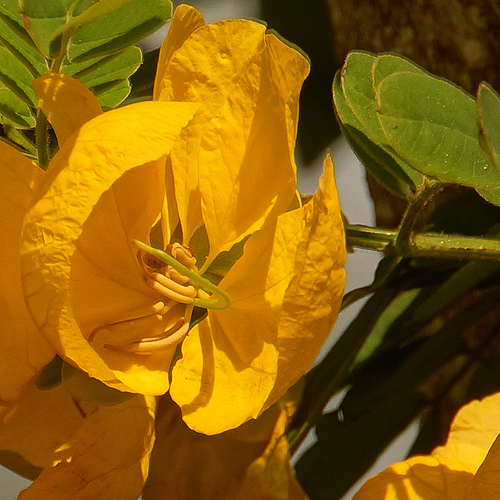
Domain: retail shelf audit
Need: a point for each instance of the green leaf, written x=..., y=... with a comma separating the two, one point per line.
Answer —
x=42, y=20
x=16, y=77
x=119, y=29
x=14, y=111
x=357, y=87
x=118, y=66
x=388, y=64
x=384, y=398
x=379, y=163
x=365, y=137
x=107, y=76
x=431, y=124
x=86, y=12
x=392, y=312
x=488, y=110
x=112, y=94
x=14, y=37
x=344, y=452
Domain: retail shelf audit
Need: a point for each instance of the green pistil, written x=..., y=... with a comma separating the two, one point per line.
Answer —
x=221, y=300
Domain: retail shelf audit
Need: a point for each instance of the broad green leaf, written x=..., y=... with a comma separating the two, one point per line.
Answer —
x=88, y=11
x=108, y=69
x=15, y=76
x=344, y=452
x=331, y=374
x=119, y=29
x=355, y=88
x=110, y=95
x=14, y=111
x=379, y=163
x=14, y=37
x=388, y=64
x=488, y=110
x=107, y=76
x=42, y=20
x=393, y=311
x=431, y=124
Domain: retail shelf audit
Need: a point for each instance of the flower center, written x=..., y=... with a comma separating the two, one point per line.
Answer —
x=161, y=326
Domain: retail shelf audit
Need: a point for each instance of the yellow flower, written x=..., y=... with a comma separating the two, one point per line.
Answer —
x=77, y=445
x=465, y=468
x=79, y=449
x=250, y=462
x=116, y=308
x=23, y=350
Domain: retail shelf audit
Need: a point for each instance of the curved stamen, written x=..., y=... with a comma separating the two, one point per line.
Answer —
x=187, y=290
x=148, y=346
x=166, y=340
x=159, y=308
x=168, y=292
x=221, y=300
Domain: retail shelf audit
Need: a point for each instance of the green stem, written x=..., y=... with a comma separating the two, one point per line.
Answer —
x=222, y=300
x=424, y=245
x=42, y=140
x=406, y=228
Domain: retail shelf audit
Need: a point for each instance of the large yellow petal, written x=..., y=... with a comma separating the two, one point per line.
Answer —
x=66, y=103
x=23, y=351
x=313, y=297
x=285, y=295
x=240, y=144
x=486, y=482
x=106, y=284
x=185, y=21
x=33, y=435
x=107, y=459
x=246, y=166
x=449, y=473
x=83, y=170
x=251, y=462
x=219, y=385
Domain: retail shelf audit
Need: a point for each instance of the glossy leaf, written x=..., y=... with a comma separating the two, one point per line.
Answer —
x=431, y=124
x=42, y=20
x=111, y=94
x=16, y=77
x=14, y=111
x=85, y=12
x=14, y=37
x=119, y=29
x=357, y=86
x=379, y=163
x=104, y=70
x=488, y=109
x=388, y=64
x=107, y=77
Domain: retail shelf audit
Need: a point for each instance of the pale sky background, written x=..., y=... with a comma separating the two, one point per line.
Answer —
x=355, y=204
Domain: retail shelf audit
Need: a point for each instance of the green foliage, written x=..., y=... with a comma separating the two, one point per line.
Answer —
x=404, y=123
x=90, y=40
x=424, y=343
